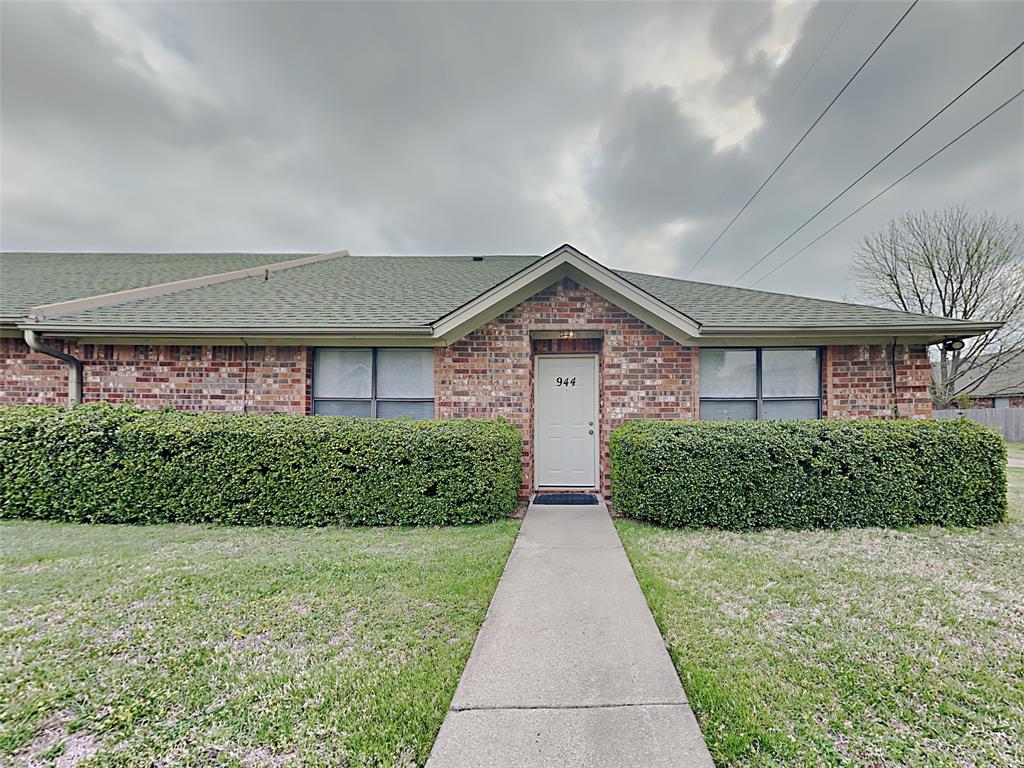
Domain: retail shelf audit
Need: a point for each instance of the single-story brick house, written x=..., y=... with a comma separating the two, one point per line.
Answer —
x=1000, y=388
x=564, y=347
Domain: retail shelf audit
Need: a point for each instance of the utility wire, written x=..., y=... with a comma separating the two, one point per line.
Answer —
x=801, y=139
x=889, y=154
x=782, y=110
x=932, y=156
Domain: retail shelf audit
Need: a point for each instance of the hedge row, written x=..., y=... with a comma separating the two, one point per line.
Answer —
x=97, y=463
x=808, y=474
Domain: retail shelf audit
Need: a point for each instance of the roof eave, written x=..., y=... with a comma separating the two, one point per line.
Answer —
x=248, y=332
x=932, y=333
x=958, y=329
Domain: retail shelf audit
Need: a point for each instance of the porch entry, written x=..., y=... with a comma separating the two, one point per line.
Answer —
x=565, y=421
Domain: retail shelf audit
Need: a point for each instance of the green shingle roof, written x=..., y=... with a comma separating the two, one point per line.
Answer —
x=723, y=305
x=31, y=279
x=365, y=292
x=349, y=291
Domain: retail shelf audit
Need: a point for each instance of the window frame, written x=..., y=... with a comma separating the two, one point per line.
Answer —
x=759, y=399
x=373, y=399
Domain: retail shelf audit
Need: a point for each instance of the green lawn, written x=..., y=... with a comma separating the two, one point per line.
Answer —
x=852, y=648
x=192, y=646
x=1015, y=450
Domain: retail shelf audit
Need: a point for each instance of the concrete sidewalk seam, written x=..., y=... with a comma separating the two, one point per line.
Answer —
x=514, y=707
x=530, y=545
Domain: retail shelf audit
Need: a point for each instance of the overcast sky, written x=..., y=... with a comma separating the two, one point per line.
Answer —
x=633, y=131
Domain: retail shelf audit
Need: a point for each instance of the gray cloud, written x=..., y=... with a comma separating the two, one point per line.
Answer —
x=734, y=32
x=58, y=73
x=653, y=164
x=440, y=128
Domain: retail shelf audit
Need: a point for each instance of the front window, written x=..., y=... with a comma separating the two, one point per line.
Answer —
x=373, y=383
x=760, y=383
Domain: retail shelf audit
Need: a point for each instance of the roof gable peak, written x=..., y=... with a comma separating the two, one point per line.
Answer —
x=567, y=261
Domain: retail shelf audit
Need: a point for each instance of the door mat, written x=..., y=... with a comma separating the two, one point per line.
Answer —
x=565, y=498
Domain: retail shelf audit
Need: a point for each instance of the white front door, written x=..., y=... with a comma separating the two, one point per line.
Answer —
x=566, y=421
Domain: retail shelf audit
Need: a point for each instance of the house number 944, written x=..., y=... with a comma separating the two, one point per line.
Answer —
x=565, y=381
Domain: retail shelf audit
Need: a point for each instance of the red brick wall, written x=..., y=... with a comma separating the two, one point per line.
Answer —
x=26, y=377
x=858, y=382
x=1016, y=401
x=489, y=373
x=191, y=378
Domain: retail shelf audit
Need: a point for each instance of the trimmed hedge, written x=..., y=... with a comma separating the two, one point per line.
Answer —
x=98, y=463
x=748, y=475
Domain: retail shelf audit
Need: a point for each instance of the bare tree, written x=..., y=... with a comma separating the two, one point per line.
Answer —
x=952, y=264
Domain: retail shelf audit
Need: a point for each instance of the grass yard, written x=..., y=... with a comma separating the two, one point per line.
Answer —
x=861, y=647
x=1015, y=450
x=192, y=646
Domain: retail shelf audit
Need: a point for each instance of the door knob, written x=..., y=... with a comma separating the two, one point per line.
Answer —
x=590, y=431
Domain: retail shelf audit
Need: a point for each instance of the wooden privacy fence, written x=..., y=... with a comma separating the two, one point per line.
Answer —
x=1009, y=421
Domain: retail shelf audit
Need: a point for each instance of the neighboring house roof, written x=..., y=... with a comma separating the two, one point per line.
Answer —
x=1007, y=379
x=31, y=279
x=437, y=296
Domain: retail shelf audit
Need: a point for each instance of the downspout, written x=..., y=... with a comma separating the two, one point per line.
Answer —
x=895, y=391
x=35, y=343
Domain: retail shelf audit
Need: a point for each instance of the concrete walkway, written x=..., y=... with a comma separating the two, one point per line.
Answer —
x=569, y=668
x=1018, y=463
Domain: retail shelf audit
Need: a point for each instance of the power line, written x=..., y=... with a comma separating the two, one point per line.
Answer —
x=782, y=110
x=801, y=139
x=889, y=154
x=846, y=218
x=814, y=63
